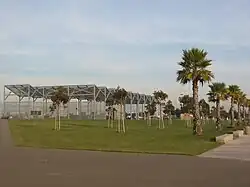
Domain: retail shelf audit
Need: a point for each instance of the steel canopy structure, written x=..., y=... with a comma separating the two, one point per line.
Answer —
x=90, y=92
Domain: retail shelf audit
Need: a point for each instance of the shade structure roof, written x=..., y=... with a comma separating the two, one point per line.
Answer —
x=82, y=92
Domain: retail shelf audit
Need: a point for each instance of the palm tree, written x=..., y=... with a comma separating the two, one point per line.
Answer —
x=248, y=111
x=238, y=104
x=233, y=92
x=194, y=68
x=160, y=98
x=218, y=92
x=120, y=95
x=59, y=97
x=242, y=104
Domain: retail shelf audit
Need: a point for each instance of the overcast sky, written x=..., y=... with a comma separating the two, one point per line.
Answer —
x=132, y=43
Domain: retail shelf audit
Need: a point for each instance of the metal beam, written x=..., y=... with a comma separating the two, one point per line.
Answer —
x=83, y=92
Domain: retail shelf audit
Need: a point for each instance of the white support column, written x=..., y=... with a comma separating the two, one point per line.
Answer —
x=105, y=99
x=43, y=104
x=80, y=107
x=101, y=107
x=143, y=104
x=137, y=107
x=33, y=104
x=91, y=108
x=68, y=105
x=88, y=110
x=46, y=105
x=94, y=103
x=131, y=106
x=77, y=107
x=19, y=110
x=29, y=99
x=4, y=100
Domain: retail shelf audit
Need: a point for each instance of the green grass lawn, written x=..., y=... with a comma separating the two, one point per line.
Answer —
x=94, y=135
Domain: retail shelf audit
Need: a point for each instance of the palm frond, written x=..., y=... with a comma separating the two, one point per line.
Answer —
x=194, y=66
x=217, y=92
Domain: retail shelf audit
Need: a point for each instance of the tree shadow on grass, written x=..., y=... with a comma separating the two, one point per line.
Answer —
x=26, y=126
x=71, y=125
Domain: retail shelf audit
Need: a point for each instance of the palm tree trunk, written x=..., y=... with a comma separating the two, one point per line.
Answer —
x=232, y=112
x=239, y=114
x=248, y=115
x=218, y=120
x=244, y=111
x=244, y=114
x=197, y=128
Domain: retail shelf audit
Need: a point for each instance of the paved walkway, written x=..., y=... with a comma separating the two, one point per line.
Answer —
x=5, y=137
x=236, y=149
x=28, y=167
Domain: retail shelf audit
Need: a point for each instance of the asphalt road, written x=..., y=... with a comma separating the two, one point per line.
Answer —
x=28, y=167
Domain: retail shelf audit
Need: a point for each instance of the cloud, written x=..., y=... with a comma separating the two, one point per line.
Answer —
x=135, y=44
x=74, y=26
x=17, y=52
x=160, y=28
x=146, y=32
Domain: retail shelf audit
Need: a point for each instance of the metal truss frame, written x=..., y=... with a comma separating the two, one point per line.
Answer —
x=89, y=92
